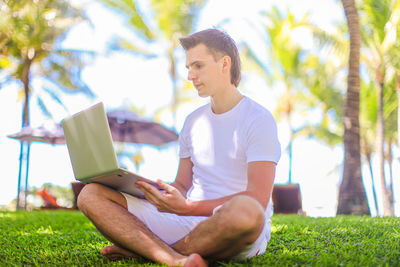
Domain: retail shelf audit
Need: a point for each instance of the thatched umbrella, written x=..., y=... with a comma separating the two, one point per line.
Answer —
x=50, y=133
x=126, y=126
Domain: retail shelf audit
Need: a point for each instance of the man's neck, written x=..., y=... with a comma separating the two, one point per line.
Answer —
x=225, y=100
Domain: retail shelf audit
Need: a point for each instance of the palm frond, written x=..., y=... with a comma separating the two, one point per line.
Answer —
x=135, y=17
x=253, y=63
x=176, y=18
x=333, y=43
x=123, y=45
x=321, y=132
x=392, y=27
x=375, y=15
x=64, y=69
x=53, y=95
x=41, y=104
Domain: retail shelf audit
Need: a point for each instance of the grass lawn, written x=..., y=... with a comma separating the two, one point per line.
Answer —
x=55, y=238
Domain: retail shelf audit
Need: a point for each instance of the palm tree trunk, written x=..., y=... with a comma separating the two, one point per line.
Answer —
x=25, y=122
x=21, y=153
x=290, y=149
x=380, y=138
x=26, y=81
x=375, y=196
x=390, y=188
x=352, y=197
x=172, y=73
x=288, y=113
x=398, y=109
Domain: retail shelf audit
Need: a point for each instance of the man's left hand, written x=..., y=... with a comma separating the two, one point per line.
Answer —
x=169, y=200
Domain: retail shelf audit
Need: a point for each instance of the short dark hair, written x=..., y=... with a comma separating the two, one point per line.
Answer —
x=219, y=44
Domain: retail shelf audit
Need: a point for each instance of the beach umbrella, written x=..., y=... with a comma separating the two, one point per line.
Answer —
x=126, y=126
x=50, y=133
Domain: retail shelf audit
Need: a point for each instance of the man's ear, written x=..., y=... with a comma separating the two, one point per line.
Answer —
x=226, y=64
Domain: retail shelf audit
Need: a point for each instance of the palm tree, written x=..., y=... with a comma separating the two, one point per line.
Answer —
x=390, y=116
x=286, y=60
x=30, y=32
x=368, y=125
x=173, y=19
x=326, y=73
x=368, y=115
x=352, y=197
x=368, y=109
x=394, y=55
x=391, y=101
x=398, y=105
x=396, y=79
x=380, y=21
x=322, y=79
x=29, y=44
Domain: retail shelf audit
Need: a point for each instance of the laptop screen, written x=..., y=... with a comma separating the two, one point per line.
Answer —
x=89, y=142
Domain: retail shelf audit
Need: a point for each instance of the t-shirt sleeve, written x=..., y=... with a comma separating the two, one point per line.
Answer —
x=184, y=151
x=262, y=140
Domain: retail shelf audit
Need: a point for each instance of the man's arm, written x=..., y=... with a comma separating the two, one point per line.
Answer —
x=260, y=176
x=184, y=177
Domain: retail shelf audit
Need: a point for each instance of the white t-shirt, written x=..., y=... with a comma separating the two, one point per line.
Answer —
x=221, y=145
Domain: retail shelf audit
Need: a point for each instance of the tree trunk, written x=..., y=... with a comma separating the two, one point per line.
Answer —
x=380, y=138
x=290, y=151
x=26, y=81
x=390, y=187
x=375, y=196
x=25, y=122
x=352, y=197
x=398, y=109
x=288, y=112
x=172, y=73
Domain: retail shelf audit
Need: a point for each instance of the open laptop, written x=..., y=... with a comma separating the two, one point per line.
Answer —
x=92, y=152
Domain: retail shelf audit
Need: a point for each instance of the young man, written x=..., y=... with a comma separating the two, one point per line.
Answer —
x=219, y=205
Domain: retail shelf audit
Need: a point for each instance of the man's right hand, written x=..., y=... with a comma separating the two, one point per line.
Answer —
x=171, y=200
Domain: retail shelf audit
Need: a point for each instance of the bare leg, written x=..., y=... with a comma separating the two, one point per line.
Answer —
x=115, y=253
x=107, y=209
x=236, y=224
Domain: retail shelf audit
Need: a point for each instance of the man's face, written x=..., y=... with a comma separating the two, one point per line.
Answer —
x=204, y=72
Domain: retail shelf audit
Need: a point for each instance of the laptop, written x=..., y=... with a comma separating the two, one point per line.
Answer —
x=92, y=154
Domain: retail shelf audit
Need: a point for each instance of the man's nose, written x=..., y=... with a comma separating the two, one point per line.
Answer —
x=191, y=75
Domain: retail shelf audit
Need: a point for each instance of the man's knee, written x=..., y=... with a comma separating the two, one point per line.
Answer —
x=93, y=194
x=84, y=197
x=89, y=195
x=243, y=214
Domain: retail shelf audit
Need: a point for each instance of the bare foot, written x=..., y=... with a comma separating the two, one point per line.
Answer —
x=195, y=260
x=116, y=253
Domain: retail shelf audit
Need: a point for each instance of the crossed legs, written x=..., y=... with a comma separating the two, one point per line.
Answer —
x=236, y=224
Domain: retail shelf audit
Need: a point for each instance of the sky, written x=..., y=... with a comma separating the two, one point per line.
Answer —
x=122, y=80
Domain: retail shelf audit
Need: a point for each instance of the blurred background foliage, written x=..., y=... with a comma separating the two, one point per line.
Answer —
x=313, y=79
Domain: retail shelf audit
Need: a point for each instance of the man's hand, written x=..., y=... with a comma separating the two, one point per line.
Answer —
x=171, y=200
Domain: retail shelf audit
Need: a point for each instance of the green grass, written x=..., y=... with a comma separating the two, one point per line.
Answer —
x=66, y=238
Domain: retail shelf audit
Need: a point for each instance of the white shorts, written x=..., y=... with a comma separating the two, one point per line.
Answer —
x=171, y=228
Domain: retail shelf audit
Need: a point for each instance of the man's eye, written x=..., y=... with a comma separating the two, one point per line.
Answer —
x=198, y=66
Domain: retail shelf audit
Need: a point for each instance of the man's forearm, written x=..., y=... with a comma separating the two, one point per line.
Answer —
x=180, y=188
x=206, y=207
